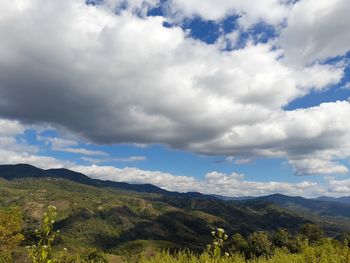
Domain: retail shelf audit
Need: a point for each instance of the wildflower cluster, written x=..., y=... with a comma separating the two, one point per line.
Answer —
x=41, y=253
x=216, y=248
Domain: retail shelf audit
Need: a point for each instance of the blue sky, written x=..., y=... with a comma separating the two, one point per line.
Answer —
x=232, y=97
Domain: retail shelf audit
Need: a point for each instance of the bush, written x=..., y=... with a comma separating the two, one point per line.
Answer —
x=10, y=228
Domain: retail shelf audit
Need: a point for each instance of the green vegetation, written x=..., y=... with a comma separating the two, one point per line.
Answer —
x=10, y=236
x=102, y=224
x=259, y=249
x=42, y=252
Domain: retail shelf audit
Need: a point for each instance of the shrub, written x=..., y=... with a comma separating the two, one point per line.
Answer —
x=10, y=236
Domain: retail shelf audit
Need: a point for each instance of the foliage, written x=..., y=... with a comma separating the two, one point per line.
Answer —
x=10, y=227
x=93, y=255
x=260, y=244
x=238, y=244
x=326, y=252
x=312, y=233
x=283, y=239
x=98, y=221
x=260, y=249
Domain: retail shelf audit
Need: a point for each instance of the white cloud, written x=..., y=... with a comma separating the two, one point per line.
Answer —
x=250, y=11
x=10, y=127
x=124, y=159
x=13, y=151
x=130, y=159
x=307, y=165
x=346, y=86
x=214, y=182
x=317, y=30
x=134, y=175
x=339, y=187
x=57, y=142
x=63, y=145
x=319, y=134
x=82, y=151
x=140, y=7
x=44, y=162
x=243, y=161
x=103, y=77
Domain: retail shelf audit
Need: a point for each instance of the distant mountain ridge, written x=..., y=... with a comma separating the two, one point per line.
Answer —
x=343, y=199
x=147, y=211
x=18, y=171
x=322, y=206
x=233, y=198
x=318, y=207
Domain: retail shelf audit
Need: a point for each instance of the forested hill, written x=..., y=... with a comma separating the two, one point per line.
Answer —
x=323, y=206
x=116, y=217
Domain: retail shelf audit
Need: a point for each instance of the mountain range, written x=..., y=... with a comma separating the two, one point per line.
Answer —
x=17, y=171
x=116, y=216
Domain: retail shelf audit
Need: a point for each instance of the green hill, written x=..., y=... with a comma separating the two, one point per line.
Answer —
x=116, y=219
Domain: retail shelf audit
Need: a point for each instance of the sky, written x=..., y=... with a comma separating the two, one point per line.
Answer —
x=229, y=97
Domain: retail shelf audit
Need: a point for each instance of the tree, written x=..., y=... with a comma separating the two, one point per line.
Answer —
x=312, y=233
x=260, y=245
x=281, y=238
x=239, y=244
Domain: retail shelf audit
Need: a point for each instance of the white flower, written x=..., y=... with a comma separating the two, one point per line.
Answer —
x=220, y=230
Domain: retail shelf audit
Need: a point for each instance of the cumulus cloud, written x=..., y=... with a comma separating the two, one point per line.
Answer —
x=339, y=187
x=10, y=128
x=166, y=181
x=102, y=77
x=250, y=11
x=44, y=162
x=13, y=150
x=316, y=30
x=313, y=139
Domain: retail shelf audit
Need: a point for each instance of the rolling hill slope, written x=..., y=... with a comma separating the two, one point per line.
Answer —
x=112, y=216
x=321, y=208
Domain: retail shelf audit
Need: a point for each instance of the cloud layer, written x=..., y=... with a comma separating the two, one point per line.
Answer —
x=101, y=76
x=317, y=30
x=14, y=150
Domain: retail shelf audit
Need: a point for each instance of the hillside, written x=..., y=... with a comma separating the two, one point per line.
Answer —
x=343, y=199
x=107, y=217
x=322, y=208
x=117, y=217
x=17, y=171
